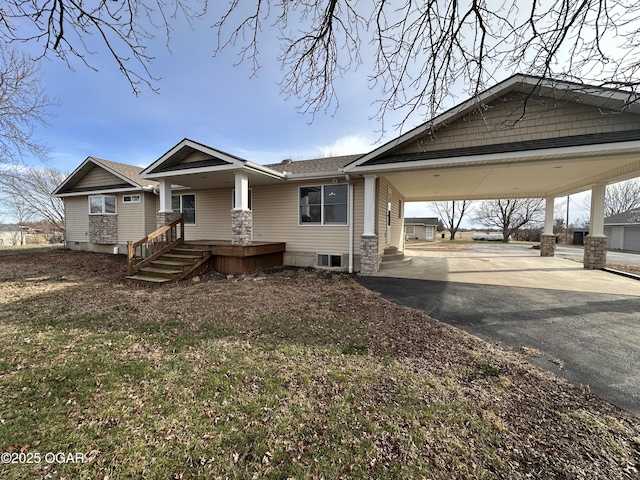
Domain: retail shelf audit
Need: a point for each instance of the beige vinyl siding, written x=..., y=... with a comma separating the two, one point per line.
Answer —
x=76, y=212
x=213, y=215
x=151, y=208
x=275, y=219
x=358, y=213
x=496, y=124
x=98, y=177
x=131, y=225
x=397, y=216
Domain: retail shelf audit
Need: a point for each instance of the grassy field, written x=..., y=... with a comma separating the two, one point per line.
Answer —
x=290, y=374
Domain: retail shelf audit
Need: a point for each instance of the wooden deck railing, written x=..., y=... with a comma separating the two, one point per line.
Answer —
x=154, y=245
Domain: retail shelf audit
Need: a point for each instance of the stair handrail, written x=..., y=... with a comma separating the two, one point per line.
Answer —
x=154, y=245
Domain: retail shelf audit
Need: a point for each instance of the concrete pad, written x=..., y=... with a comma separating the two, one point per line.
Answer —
x=509, y=265
x=584, y=323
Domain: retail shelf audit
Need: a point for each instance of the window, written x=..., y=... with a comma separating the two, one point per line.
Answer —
x=185, y=204
x=102, y=205
x=329, y=260
x=131, y=199
x=323, y=205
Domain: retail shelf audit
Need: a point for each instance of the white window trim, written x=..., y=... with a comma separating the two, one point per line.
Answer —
x=130, y=197
x=195, y=208
x=322, y=223
x=329, y=255
x=410, y=232
x=103, y=204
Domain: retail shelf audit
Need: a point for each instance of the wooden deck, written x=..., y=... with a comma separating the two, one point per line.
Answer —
x=241, y=259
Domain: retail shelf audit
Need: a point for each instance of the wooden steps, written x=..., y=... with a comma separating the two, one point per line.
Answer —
x=173, y=266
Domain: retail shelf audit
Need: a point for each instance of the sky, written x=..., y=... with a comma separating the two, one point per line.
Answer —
x=209, y=100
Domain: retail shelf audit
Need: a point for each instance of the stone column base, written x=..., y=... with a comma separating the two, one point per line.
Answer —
x=547, y=245
x=241, y=227
x=369, y=257
x=165, y=218
x=595, y=252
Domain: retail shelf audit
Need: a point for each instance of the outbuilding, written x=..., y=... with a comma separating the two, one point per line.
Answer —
x=623, y=231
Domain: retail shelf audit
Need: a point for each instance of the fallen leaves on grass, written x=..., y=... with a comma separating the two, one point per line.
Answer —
x=302, y=374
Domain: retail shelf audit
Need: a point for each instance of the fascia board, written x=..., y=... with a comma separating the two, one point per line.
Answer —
x=314, y=176
x=255, y=168
x=98, y=192
x=495, y=157
x=191, y=171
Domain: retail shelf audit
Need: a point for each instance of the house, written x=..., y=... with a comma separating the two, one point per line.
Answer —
x=623, y=231
x=421, y=228
x=526, y=137
x=12, y=235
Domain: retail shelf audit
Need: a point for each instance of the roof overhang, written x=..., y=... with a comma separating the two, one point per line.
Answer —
x=83, y=169
x=216, y=171
x=540, y=174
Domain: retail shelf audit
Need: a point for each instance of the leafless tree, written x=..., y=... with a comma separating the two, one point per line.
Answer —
x=509, y=215
x=29, y=189
x=451, y=214
x=619, y=197
x=415, y=52
x=23, y=106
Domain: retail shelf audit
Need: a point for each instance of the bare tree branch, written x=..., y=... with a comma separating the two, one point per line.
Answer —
x=30, y=190
x=509, y=215
x=23, y=106
x=418, y=53
x=451, y=214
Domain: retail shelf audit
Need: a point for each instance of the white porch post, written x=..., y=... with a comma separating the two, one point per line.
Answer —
x=595, y=244
x=165, y=214
x=165, y=196
x=241, y=216
x=369, y=205
x=242, y=191
x=548, y=239
x=369, y=257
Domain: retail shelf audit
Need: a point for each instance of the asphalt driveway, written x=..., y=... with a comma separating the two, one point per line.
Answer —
x=586, y=324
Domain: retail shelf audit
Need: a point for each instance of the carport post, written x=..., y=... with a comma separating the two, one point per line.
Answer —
x=595, y=244
x=369, y=257
x=548, y=239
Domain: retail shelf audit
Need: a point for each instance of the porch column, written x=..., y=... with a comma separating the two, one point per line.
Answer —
x=548, y=239
x=165, y=215
x=369, y=256
x=595, y=244
x=241, y=217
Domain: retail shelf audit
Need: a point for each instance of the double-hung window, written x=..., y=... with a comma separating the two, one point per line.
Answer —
x=102, y=205
x=323, y=205
x=185, y=204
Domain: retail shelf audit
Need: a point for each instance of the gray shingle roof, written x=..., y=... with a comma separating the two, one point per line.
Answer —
x=624, y=217
x=129, y=171
x=422, y=221
x=318, y=165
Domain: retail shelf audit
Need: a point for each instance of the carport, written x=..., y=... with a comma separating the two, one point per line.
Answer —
x=526, y=137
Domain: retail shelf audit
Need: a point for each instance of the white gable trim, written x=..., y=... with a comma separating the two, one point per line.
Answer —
x=97, y=163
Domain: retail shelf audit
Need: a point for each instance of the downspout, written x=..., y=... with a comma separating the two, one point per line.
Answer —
x=351, y=209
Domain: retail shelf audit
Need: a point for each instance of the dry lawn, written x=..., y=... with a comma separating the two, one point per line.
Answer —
x=289, y=374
